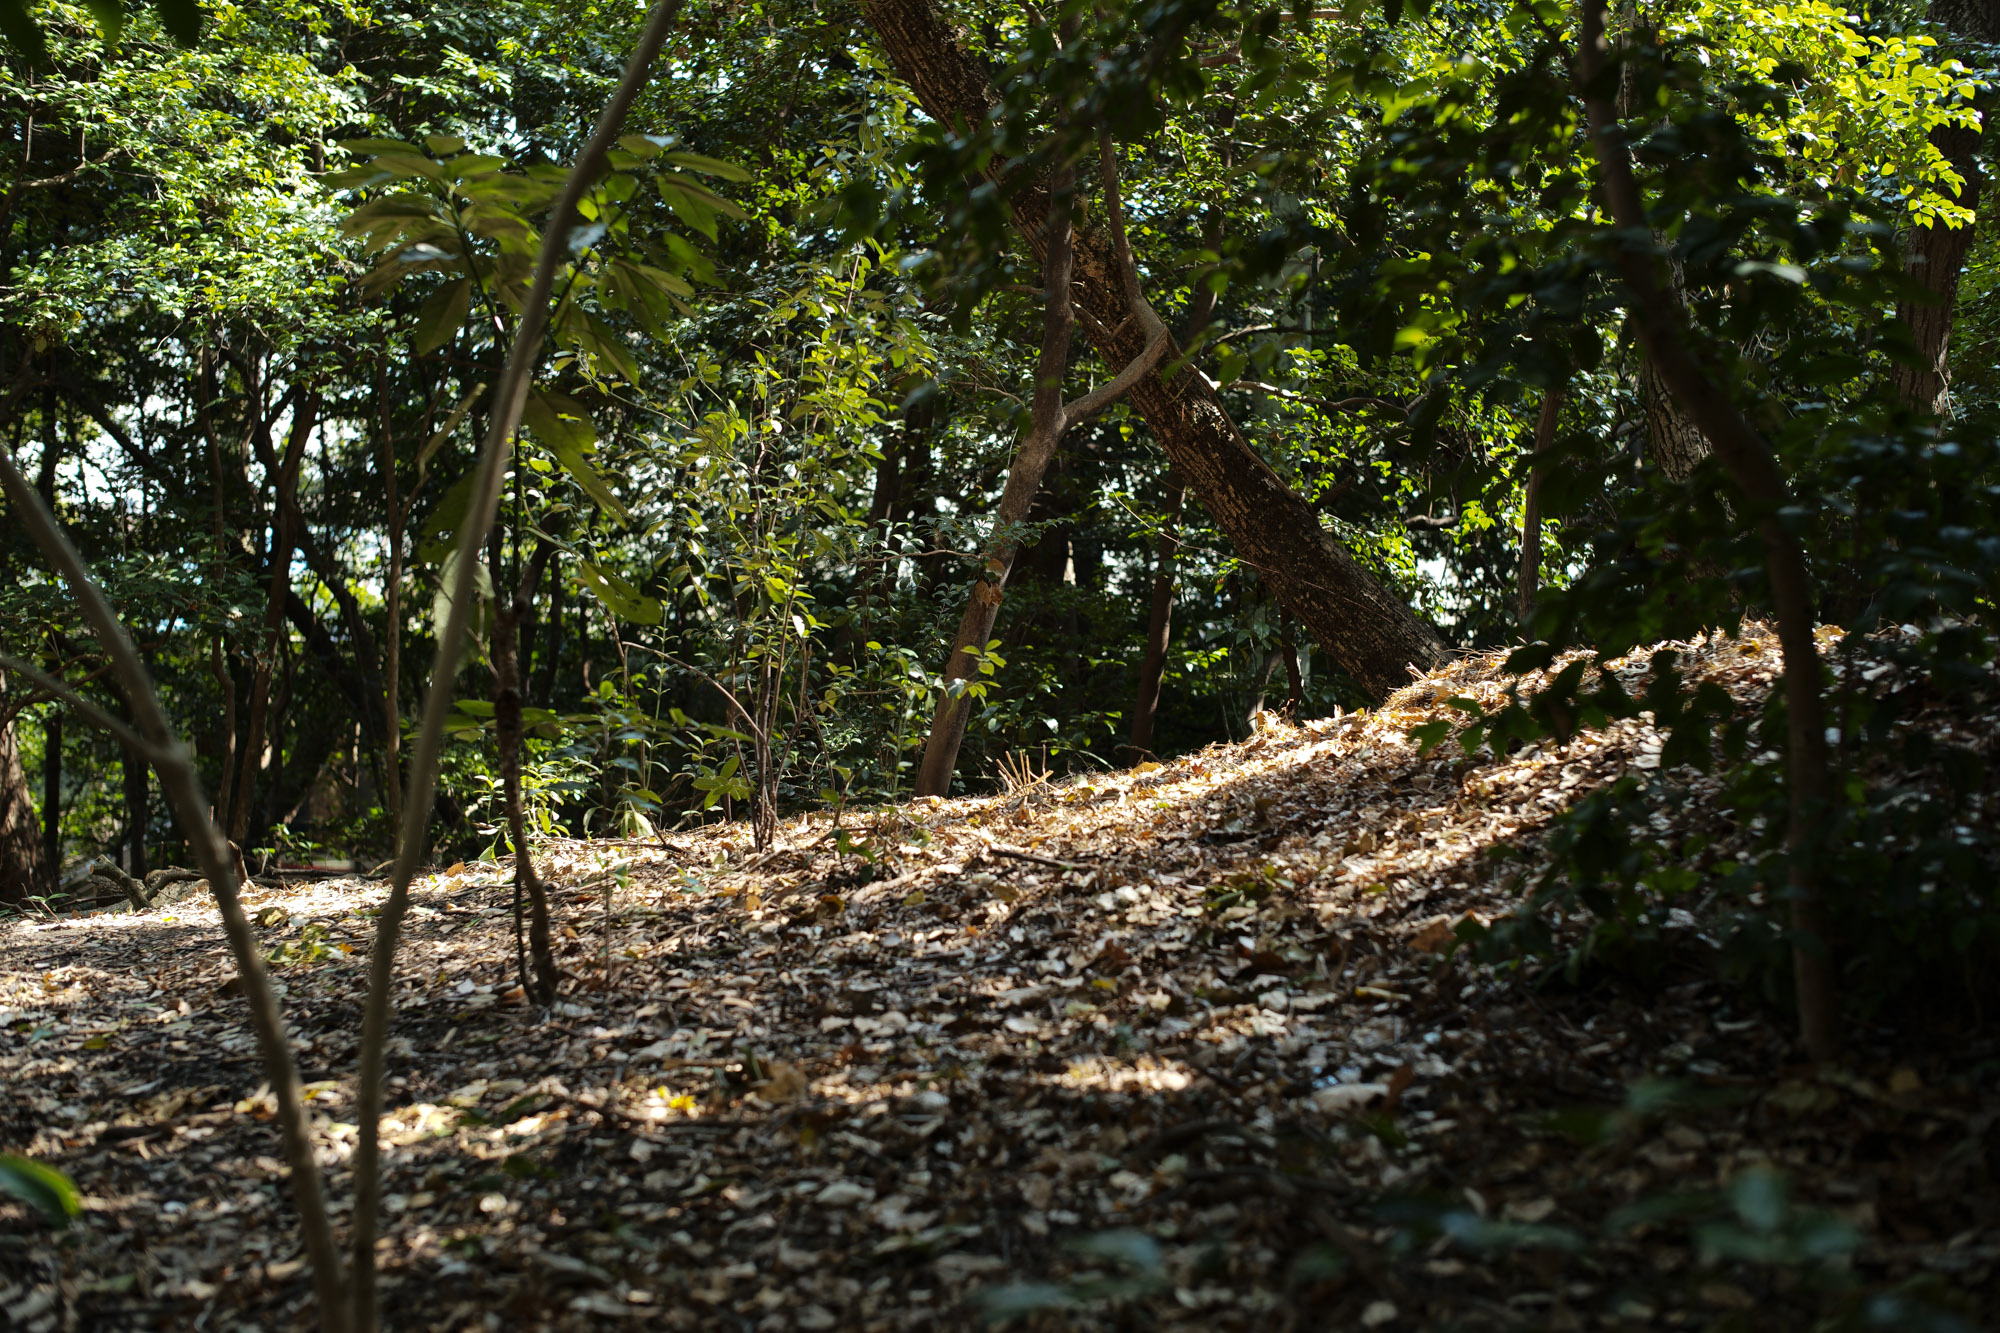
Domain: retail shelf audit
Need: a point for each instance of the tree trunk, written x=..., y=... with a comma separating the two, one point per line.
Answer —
x=1295, y=681
x=1024, y=478
x=1531, y=512
x=392, y=634
x=507, y=734
x=1676, y=443
x=1747, y=457
x=52, y=776
x=138, y=801
x=1936, y=255
x=250, y=755
x=1159, y=626
x=25, y=868
x=1366, y=629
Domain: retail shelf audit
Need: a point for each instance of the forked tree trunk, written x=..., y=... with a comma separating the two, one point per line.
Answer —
x=1364, y=627
x=1050, y=418
x=1159, y=626
x=1744, y=453
x=1024, y=478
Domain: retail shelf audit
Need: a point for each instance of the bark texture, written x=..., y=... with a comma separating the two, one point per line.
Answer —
x=25, y=868
x=1362, y=626
x=1672, y=437
x=1935, y=259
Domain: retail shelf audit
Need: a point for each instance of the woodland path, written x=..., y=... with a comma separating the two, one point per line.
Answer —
x=1207, y=1023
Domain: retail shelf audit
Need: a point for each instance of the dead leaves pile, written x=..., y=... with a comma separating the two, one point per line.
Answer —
x=1203, y=1016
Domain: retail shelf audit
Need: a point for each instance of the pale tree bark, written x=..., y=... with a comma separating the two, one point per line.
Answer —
x=1935, y=257
x=1049, y=418
x=1747, y=457
x=1364, y=627
x=1672, y=437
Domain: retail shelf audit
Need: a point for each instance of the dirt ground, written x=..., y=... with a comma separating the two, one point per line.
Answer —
x=1180, y=1047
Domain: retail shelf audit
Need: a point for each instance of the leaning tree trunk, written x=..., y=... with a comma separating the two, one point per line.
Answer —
x=25, y=868
x=1364, y=627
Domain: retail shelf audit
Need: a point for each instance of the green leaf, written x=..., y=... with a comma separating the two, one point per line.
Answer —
x=444, y=145
x=587, y=477
x=624, y=600
x=707, y=166
x=370, y=147
x=442, y=316
x=603, y=342
x=43, y=1188
x=559, y=421
x=643, y=145
x=1430, y=735
x=434, y=542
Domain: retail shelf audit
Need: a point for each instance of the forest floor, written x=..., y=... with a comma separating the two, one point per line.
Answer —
x=1176, y=1048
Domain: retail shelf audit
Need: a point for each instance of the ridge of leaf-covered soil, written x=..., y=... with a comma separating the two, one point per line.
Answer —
x=1200, y=1017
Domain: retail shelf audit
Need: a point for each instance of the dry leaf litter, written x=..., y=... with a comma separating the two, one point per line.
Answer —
x=1208, y=1001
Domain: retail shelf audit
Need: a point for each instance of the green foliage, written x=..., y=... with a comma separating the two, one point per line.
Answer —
x=40, y=1186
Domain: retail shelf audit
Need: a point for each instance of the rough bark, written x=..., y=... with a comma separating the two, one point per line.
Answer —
x=1159, y=626
x=1935, y=258
x=1672, y=437
x=1747, y=457
x=25, y=868
x=1363, y=627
